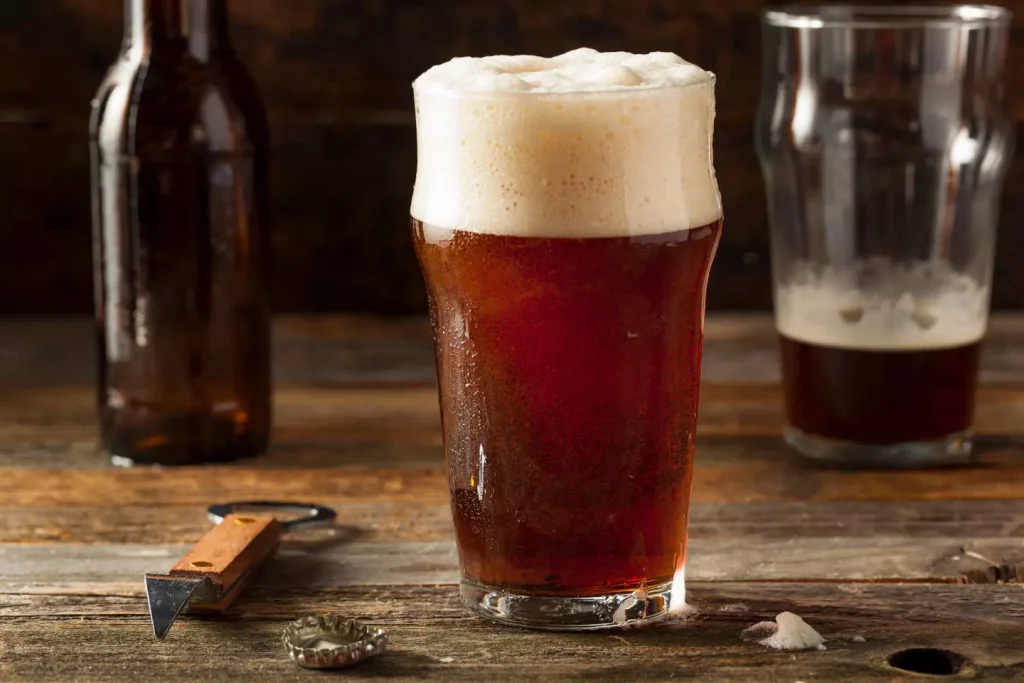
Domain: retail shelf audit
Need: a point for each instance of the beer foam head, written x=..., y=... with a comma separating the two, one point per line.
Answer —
x=880, y=306
x=585, y=144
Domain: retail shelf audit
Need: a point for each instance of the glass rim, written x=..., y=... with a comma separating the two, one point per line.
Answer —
x=886, y=16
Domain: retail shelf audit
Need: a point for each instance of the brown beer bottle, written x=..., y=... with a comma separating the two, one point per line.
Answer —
x=179, y=173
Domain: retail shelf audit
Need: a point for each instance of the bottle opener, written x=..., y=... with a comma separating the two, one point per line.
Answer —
x=215, y=571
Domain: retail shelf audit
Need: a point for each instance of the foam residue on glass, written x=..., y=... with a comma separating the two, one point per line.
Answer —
x=880, y=305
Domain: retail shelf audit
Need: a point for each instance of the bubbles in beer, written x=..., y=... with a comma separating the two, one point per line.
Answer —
x=883, y=306
x=585, y=144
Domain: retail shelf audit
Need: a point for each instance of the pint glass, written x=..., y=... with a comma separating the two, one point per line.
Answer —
x=884, y=141
x=565, y=216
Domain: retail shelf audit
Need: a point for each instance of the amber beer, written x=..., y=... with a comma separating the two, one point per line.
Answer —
x=880, y=397
x=573, y=477
x=565, y=241
x=179, y=164
x=888, y=380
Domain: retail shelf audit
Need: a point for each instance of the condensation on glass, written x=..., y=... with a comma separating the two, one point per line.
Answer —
x=179, y=157
x=884, y=139
x=566, y=216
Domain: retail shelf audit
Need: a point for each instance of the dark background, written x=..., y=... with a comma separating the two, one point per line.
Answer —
x=336, y=77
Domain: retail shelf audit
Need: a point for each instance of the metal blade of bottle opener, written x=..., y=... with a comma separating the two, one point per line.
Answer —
x=213, y=573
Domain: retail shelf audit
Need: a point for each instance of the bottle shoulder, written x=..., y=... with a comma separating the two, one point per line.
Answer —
x=152, y=105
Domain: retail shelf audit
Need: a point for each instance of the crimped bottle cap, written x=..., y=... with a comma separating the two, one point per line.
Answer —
x=332, y=642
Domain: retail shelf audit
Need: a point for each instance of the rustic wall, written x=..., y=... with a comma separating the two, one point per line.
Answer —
x=336, y=74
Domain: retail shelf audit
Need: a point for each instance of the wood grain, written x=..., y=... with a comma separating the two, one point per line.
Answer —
x=181, y=524
x=325, y=351
x=727, y=469
x=105, y=569
x=882, y=556
x=399, y=521
x=102, y=639
x=227, y=553
x=750, y=471
x=44, y=428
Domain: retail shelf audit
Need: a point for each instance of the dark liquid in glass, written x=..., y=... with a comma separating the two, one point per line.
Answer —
x=879, y=397
x=568, y=373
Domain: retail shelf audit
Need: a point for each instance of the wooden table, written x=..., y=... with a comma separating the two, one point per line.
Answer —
x=878, y=562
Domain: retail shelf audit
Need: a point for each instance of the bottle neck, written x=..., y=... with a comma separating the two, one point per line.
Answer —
x=196, y=27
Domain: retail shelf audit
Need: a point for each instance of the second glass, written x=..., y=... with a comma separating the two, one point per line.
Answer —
x=884, y=141
x=565, y=222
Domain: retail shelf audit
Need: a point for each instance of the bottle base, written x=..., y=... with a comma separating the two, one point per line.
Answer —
x=135, y=435
x=183, y=457
x=949, y=451
x=585, y=613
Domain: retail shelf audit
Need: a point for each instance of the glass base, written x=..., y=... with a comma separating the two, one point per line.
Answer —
x=206, y=458
x=955, y=449
x=590, y=613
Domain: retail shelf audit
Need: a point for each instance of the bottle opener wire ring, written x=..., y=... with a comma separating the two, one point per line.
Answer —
x=312, y=515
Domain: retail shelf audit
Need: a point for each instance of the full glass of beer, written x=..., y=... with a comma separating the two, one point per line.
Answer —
x=884, y=139
x=565, y=216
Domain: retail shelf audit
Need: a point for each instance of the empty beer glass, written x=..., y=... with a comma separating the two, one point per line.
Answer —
x=884, y=140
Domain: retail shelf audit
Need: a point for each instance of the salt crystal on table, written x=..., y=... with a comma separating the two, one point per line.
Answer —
x=735, y=607
x=760, y=630
x=788, y=632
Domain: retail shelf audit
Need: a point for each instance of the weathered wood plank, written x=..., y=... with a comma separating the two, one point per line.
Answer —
x=89, y=639
x=373, y=522
x=208, y=485
x=178, y=524
x=308, y=350
x=356, y=563
x=55, y=426
x=727, y=469
x=400, y=427
x=333, y=350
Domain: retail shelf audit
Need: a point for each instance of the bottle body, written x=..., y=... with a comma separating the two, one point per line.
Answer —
x=180, y=228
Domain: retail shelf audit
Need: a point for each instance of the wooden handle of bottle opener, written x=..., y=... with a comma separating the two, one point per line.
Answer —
x=229, y=554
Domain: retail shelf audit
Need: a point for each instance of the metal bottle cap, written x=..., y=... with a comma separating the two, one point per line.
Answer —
x=332, y=642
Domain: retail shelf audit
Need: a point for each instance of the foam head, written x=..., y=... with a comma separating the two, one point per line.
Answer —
x=878, y=305
x=585, y=144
